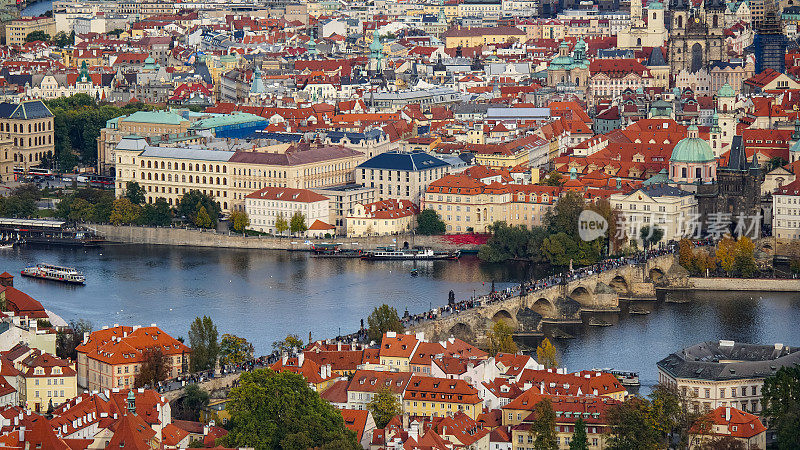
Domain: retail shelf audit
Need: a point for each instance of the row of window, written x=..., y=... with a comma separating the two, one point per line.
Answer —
x=32, y=127
x=197, y=167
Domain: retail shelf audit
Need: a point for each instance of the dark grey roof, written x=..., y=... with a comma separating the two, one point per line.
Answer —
x=656, y=58
x=664, y=190
x=738, y=157
x=33, y=109
x=408, y=161
x=728, y=360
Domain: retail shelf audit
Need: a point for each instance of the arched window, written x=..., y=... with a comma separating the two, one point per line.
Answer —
x=683, y=172
x=715, y=21
x=183, y=166
x=698, y=173
x=680, y=21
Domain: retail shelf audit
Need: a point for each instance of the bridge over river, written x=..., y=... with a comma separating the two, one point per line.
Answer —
x=564, y=302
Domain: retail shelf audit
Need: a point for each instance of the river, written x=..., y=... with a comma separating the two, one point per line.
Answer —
x=37, y=9
x=264, y=295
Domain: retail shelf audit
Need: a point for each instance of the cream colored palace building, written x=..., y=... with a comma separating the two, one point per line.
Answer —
x=170, y=172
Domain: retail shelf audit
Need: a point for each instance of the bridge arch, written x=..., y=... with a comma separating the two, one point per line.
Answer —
x=581, y=295
x=656, y=275
x=620, y=284
x=544, y=307
x=462, y=331
x=503, y=315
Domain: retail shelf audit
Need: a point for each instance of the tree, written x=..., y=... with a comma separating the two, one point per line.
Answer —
x=546, y=354
x=192, y=402
x=513, y=242
x=203, y=338
x=726, y=254
x=579, y=439
x=650, y=236
x=157, y=214
x=384, y=406
x=37, y=35
x=134, y=192
x=292, y=341
x=154, y=368
x=124, y=212
x=563, y=217
x=632, y=427
x=685, y=253
x=553, y=179
x=280, y=411
x=202, y=219
x=240, y=221
x=62, y=39
x=281, y=225
x=429, y=222
x=234, y=350
x=781, y=405
x=191, y=204
x=298, y=223
x=725, y=443
x=67, y=340
x=383, y=319
x=501, y=338
x=744, y=263
x=544, y=426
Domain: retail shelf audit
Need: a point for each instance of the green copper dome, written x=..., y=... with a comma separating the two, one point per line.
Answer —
x=795, y=147
x=655, y=5
x=726, y=91
x=692, y=150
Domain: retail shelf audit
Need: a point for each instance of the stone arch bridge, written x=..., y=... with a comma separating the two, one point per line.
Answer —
x=594, y=293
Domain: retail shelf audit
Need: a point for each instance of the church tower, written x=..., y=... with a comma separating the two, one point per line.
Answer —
x=726, y=102
x=376, y=53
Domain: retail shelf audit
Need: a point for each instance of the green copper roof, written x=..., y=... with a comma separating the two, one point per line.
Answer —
x=795, y=147
x=226, y=119
x=655, y=5
x=726, y=91
x=159, y=117
x=692, y=150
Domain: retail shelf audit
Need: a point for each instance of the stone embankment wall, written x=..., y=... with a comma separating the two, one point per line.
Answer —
x=198, y=238
x=219, y=385
x=736, y=284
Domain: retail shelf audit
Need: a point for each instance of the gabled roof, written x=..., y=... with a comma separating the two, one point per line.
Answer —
x=411, y=161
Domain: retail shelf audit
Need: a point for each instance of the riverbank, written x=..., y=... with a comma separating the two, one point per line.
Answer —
x=201, y=238
x=741, y=284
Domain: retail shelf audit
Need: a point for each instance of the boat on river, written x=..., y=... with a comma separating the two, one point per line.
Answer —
x=416, y=254
x=326, y=250
x=54, y=273
x=624, y=377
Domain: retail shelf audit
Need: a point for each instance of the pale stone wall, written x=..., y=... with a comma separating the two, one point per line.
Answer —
x=197, y=238
x=744, y=284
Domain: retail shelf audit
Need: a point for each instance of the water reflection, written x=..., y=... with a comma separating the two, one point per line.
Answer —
x=264, y=295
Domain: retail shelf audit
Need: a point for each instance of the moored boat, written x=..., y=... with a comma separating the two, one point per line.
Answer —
x=409, y=255
x=54, y=273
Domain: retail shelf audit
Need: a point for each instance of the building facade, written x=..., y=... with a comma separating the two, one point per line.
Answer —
x=266, y=207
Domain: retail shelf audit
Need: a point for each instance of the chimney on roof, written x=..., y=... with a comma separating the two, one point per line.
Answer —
x=22, y=434
x=727, y=414
x=116, y=325
x=7, y=281
x=301, y=357
x=338, y=346
x=541, y=388
x=284, y=358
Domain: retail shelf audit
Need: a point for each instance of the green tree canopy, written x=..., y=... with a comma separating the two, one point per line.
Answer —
x=191, y=205
x=134, y=192
x=501, y=338
x=651, y=236
x=37, y=35
x=429, y=222
x=632, y=426
x=281, y=225
x=513, y=242
x=563, y=217
x=240, y=221
x=384, y=406
x=203, y=339
x=292, y=341
x=298, y=223
x=547, y=355
x=67, y=340
x=579, y=439
x=234, y=349
x=192, y=402
x=124, y=212
x=781, y=405
x=280, y=411
x=157, y=214
x=384, y=318
x=544, y=426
